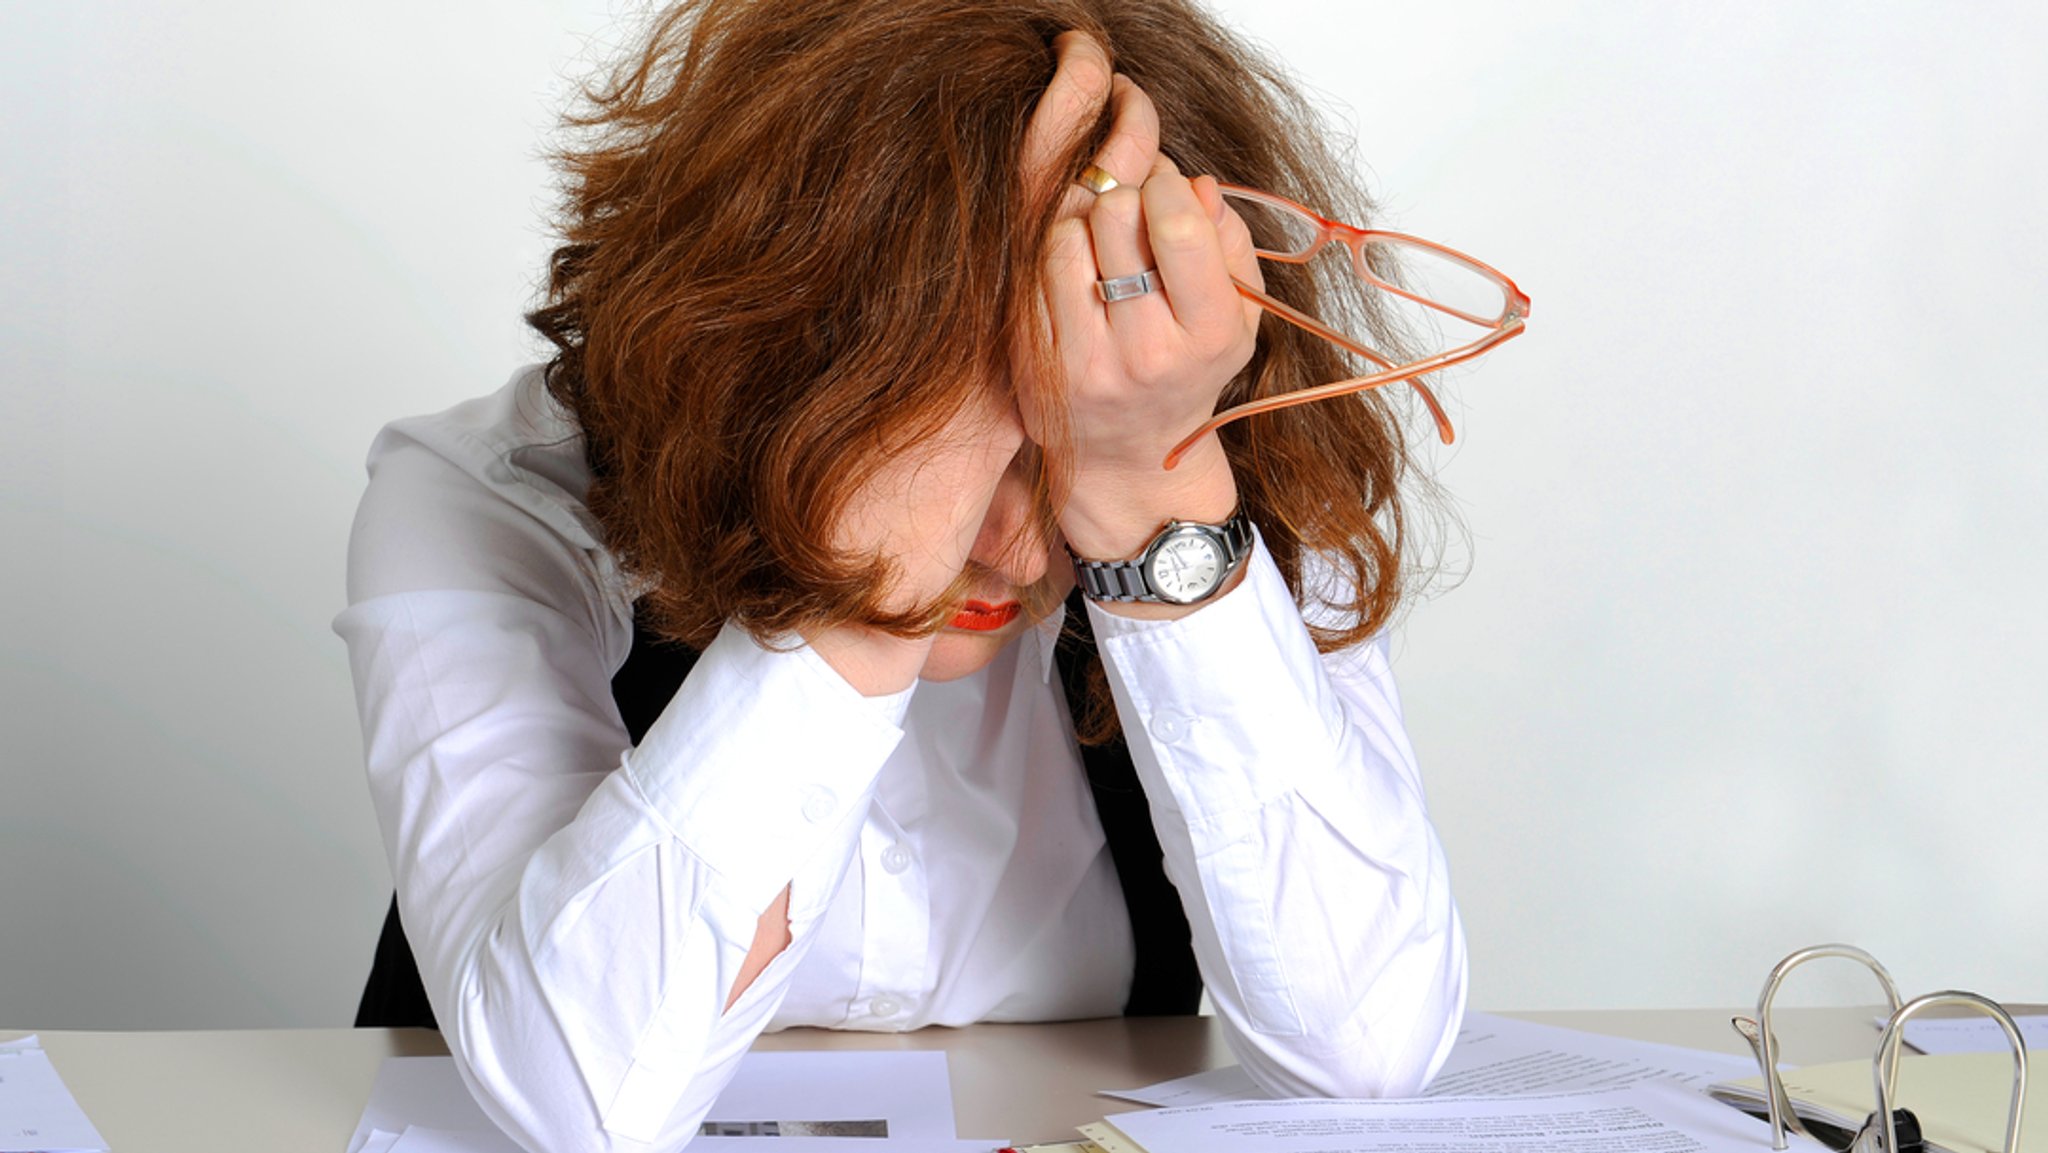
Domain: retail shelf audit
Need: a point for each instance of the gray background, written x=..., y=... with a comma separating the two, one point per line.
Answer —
x=1749, y=655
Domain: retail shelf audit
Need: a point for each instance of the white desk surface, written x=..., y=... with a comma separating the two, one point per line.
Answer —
x=302, y=1090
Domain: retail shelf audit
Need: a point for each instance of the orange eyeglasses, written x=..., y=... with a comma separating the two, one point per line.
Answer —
x=1423, y=273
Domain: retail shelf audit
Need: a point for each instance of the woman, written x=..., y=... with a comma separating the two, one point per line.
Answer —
x=848, y=365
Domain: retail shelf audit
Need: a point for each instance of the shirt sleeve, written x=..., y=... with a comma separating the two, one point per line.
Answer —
x=1291, y=815
x=580, y=910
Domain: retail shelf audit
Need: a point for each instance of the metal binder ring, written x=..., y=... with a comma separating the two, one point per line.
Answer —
x=1764, y=1042
x=1885, y=1066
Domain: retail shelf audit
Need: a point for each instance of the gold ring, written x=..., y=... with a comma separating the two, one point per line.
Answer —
x=1096, y=180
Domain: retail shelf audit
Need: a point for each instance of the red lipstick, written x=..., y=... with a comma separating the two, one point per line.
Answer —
x=982, y=617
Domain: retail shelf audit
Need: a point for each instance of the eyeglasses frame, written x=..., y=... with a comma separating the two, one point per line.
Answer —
x=1502, y=328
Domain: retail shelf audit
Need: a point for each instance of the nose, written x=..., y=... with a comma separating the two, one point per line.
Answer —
x=1012, y=541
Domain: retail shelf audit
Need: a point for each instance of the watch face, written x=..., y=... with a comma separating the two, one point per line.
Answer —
x=1185, y=567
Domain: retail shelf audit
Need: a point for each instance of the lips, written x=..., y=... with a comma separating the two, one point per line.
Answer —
x=982, y=617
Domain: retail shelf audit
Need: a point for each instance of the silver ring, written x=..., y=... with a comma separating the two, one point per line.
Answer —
x=1096, y=180
x=1126, y=287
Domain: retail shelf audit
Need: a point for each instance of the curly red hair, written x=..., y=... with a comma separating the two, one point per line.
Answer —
x=796, y=233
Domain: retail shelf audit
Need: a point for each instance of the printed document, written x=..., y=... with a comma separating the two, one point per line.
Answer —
x=1496, y=1056
x=811, y=1102
x=37, y=1112
x=1647, y=1117
x=1973, y=1034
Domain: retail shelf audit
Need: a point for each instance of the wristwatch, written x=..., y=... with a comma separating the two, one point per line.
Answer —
x=1185, y=564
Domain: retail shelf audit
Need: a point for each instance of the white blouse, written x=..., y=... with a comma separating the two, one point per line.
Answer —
x=580, y=909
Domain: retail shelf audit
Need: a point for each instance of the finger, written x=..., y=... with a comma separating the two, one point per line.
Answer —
x=1073, y=100
x=1186, y=244
x=1162, y=165
x=1116, y=228
x=1072, y=308
x=1238, y=253
x=1117, y=232
x=1131, y=149
x=1116, y=221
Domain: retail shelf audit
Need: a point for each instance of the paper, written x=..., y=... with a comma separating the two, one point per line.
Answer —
x=1105, y=1138
x=1974, y=1034
x=1648, y=1117
x=840, y=1145
x=1210, y=1087
x=37, y=1113
x=418, y=1139
x=882, y=1094
x=1501, y=1055
x=1495, y=1056
x=423, y=1091
x=796, y=1097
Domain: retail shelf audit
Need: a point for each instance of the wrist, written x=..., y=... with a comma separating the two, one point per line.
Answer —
x=1155, y=611
x=1112, y=513
x=1187, y=564
x=1142, y=543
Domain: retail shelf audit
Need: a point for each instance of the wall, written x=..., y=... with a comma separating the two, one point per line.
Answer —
x=1748, y=655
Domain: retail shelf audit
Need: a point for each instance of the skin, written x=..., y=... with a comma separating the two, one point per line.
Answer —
x=1141, y=375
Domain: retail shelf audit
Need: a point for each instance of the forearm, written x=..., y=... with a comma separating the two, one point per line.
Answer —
x=615, y=1019
x=581, y=931
x=1293, y=824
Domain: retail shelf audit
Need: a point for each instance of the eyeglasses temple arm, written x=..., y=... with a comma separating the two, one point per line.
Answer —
x=1310, y=324
x=1393, y=375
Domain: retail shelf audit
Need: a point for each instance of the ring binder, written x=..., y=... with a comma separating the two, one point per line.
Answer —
x=1888, y=1128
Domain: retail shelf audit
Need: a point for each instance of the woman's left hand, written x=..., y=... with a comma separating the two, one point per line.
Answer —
x=1141, y=373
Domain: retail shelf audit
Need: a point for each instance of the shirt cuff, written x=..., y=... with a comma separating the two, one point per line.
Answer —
x=759, y=757
x=1229, y=700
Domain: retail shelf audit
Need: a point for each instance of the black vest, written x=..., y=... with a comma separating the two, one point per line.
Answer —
x=1165, y=982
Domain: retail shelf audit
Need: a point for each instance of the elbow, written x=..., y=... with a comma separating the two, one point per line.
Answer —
x=553, y=1077
x=1363, y=1072
x=522, y=1073
x=1407, y=1016
x=1381, y=1063
x=1388, y=1039
x=587, y=1036
x=1408, y=1033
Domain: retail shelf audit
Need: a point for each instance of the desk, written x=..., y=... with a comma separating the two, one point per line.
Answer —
x=302, y=1090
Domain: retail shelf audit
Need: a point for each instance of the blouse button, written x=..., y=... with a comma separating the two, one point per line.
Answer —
x=1169, y=726
x=895, y=858
x=884, y=1007
x=818, y=803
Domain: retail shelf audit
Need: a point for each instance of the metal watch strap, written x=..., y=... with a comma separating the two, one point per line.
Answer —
x=1124, y=580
